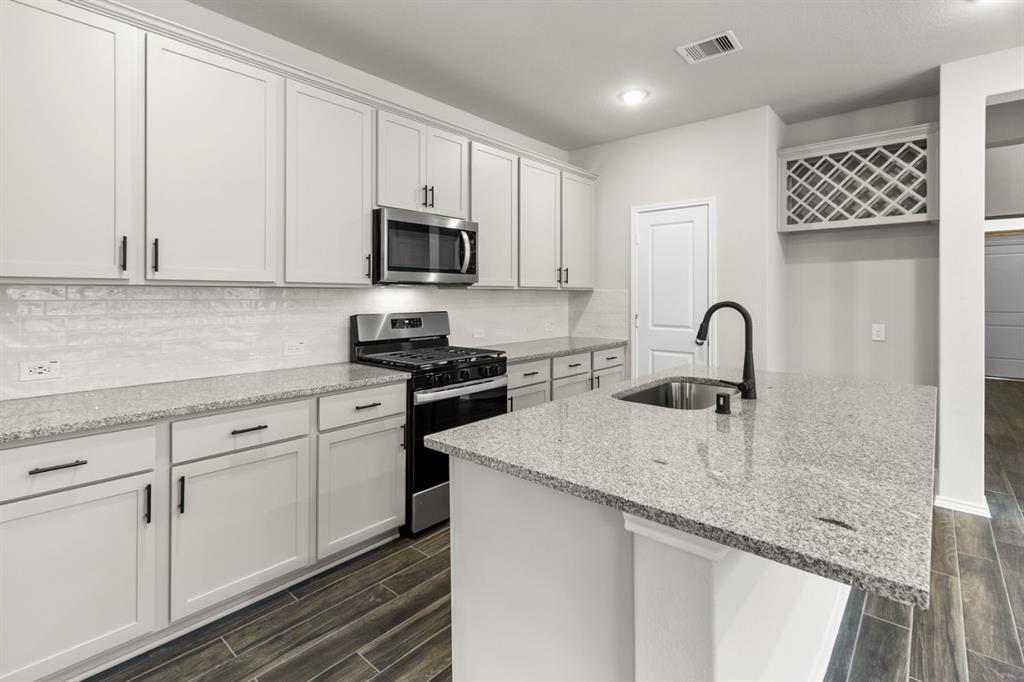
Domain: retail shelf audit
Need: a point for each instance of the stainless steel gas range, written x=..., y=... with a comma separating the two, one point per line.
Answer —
x=450, y=386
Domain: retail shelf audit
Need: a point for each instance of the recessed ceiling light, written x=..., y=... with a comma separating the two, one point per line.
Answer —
x=634, y=96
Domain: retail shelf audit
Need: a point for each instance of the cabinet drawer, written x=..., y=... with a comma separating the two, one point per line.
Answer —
x=358, y=406
x=196, y=438
x=570, y=365
x=528, y=373
x=570, y=386
x=609, y=358
x=41, y=468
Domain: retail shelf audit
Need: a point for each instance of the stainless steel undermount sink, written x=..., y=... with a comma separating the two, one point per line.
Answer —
x=679, y=394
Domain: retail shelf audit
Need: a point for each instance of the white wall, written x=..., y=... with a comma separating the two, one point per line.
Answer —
x=730, y=158
x=964, y=89
x=109, y=336
x=836, y=283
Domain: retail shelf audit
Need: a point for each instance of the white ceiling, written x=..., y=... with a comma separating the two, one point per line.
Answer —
x=552, y=68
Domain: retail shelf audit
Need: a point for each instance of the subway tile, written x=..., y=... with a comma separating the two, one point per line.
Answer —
x=76, y=308
x=96, y=292
x=242, y=292
x=153, y=292
x=36, y=293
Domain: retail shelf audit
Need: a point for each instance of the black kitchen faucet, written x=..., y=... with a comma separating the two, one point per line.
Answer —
x=748, y=386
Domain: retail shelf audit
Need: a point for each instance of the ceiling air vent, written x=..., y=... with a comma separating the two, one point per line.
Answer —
x=709, y=48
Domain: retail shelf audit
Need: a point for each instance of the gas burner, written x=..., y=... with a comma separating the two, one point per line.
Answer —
x=431, y=358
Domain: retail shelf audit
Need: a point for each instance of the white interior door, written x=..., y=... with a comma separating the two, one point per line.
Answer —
x=671, y=275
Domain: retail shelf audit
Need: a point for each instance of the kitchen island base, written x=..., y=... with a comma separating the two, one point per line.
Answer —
x=549, y=586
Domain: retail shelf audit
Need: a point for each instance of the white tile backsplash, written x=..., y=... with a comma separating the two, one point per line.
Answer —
x=107, y=336
x=602, y=313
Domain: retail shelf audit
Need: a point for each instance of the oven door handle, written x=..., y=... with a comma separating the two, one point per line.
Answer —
x=433, y=395
x=465, y=251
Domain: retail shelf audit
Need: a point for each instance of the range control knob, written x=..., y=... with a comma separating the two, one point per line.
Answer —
x=463, y=375
x=493, y=370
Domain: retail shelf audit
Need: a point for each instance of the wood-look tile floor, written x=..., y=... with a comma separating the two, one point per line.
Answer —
x=383, y=616
x=386, y=615
x=974, y=625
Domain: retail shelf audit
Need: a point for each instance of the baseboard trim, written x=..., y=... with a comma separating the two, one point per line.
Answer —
x=963, y=506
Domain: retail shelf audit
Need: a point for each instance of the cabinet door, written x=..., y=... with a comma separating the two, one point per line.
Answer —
x=401, y=162
x=328, y=176
x=495, y=208
x=603, y=378
x=361, y=484
x=563, y=388
x=212, y=171
x=77, y=575
x=237, y=521
x=69, y=140
x=447, y=173
x=578, y=231
x=528, y=396
x=539, y=223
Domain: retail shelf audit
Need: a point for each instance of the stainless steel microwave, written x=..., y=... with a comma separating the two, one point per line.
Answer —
x=410, y=247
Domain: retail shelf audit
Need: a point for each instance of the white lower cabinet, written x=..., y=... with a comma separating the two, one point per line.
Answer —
x=569, y=386
x=603, y=378
x=237, y=521
x=77, y=575
x=528, y=396
x=361, y=480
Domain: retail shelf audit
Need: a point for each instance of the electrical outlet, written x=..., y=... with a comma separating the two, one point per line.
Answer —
x=478, y=333
x=294, y=348
x=39, y=369
x=877, y=332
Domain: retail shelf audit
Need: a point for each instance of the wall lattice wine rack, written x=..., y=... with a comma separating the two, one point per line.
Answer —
x=878, y=179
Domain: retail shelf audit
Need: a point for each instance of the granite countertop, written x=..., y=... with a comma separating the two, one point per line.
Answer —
x=67, y=413
x=763, y=481
x=555, y=347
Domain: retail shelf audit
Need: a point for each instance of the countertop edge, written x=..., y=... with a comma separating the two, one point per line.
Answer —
x=141, y=418
x=586, y=348
x=908, y=594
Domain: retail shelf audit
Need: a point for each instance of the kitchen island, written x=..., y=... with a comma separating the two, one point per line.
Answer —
x=595, y=538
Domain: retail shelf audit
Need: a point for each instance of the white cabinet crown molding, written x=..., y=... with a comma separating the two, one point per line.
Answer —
x=155, y=24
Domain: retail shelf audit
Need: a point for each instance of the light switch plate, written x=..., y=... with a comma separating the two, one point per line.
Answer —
x=878, y=332
x=478, y=333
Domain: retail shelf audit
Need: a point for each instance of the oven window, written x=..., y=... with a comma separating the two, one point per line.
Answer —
x=423, y=248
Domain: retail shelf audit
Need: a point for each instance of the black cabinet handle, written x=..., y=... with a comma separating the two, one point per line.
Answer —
x=181, y=495
x=124, y=253
x=402, y=441
x=149, y=503
x=58, y=467
x=530, y=374
x=575, y=364
x=431, y=196
x=366, y=407
x=611, y=357
x=250, y=429
x=368, y=265
x=425, y=196
x=566, y=273
x=559, y=275
x=156, y=255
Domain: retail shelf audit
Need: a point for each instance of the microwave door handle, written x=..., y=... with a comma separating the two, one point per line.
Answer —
x=465, y=251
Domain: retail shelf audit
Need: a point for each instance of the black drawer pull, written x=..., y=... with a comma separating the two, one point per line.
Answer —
x=149, y=503
x=58, y=467
x=530, y=374
x=431, y=196
x=576, y=364
x=156, y=255
x=124, y=253
x=368, y=266
x=425, y=196
x=181, y=495
x=250, y=429
x=367, y=406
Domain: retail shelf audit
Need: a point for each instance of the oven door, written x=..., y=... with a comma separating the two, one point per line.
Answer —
x=420, y=248
x=435, y=410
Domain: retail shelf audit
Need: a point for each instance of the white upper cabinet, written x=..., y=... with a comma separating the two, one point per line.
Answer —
x=539, y=225
x=213, y=185
x=69, y=141
x=328, y=189
x=577, y=232
x=495, y=204
x=447, y=173
x=421, y=168
x=401, y=162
